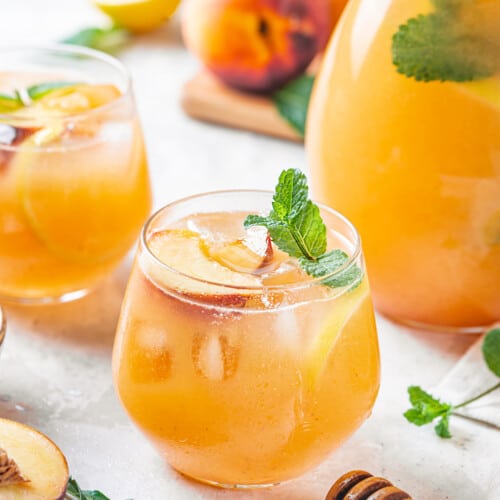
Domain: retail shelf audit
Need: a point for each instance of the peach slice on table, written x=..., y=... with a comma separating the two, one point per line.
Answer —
x=183, y=252
x=32, y=467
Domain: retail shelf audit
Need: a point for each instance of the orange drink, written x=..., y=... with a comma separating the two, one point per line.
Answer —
x=74, y=188
x=238, y=366
x=404, y=138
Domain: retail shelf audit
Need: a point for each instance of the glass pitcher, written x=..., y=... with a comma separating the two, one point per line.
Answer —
x=404, y=138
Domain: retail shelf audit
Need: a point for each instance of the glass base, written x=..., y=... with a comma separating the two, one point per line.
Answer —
x=467, y=330
x=228, y=486
x=42, y=301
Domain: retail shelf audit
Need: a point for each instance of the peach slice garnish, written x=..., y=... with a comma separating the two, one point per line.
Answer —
x=35, y=468
x=183, y=251
x=253, y=254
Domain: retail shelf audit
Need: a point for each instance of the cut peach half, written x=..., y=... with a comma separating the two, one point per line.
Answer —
x=34, y=468
x=184, y=252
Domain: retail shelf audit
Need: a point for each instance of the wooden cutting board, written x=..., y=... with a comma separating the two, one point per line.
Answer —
x=205, y=98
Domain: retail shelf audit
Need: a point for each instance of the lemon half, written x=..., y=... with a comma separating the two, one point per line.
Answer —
x=138, y=15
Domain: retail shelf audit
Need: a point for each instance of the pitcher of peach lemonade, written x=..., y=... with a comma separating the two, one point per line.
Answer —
x=404, y=138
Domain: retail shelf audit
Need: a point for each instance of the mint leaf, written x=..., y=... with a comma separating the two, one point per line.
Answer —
x=442, y=428
x=296, y=227
x=105, y=39
x=74, y=492
x=491, y=350
x=328, y=262
x=10, y=103
x=425, y=407
x=436, y=47
x=292, y=102
x=294, y=221
x=42, y=89
x=450, y=5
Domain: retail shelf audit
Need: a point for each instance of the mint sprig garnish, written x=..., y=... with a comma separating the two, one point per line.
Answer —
x=440, y=46
x=24, y=97
x=9, y=103
x=296, y=227
x=427, y=408
x=74, y=492
x=40, y=90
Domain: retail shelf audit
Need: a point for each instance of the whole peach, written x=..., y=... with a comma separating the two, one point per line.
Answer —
x=257, y=45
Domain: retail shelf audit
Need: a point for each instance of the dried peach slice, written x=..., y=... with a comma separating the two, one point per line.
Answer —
x=37, y=463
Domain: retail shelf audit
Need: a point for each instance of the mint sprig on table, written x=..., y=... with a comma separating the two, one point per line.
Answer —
x=109, y=40
x=296, y=227
x=439, y=46
x=74, y=492
x=292, y=102
x=426, y=408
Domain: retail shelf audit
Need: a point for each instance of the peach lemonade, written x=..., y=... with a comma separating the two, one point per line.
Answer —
x=242, y=368
x=74, y=187
x=404, y=138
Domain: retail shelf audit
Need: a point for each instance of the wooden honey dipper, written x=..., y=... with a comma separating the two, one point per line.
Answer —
x=361, y=485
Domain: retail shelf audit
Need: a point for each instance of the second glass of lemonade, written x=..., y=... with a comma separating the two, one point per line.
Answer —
x=74, y=187
x=240, y=368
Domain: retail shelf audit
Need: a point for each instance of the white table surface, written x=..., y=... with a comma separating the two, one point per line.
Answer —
x=55, y=371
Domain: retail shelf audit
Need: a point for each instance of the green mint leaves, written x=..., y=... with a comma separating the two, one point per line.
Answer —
x=294, y=223
x=491, y=351
x=23, y=98
x=292, y=102
x=40, y=90
x=426, y=408
x=109, y=40
x=440, y=46
x=74, y=492
x=8, y=103
x=296, y=227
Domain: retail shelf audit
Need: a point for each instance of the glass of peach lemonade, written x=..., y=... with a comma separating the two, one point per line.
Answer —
x=403, y=137
x=74, y=188
x=242, y=369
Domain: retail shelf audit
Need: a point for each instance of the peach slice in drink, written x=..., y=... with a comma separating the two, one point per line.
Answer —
x=255, y=253
x=185, y=252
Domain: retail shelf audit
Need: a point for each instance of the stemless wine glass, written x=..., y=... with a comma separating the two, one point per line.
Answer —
x=74, y=188
x=411, y=154
x=241, y=381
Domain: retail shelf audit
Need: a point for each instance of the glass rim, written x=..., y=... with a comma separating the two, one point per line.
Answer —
x=312, y=281
x=68, y=49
